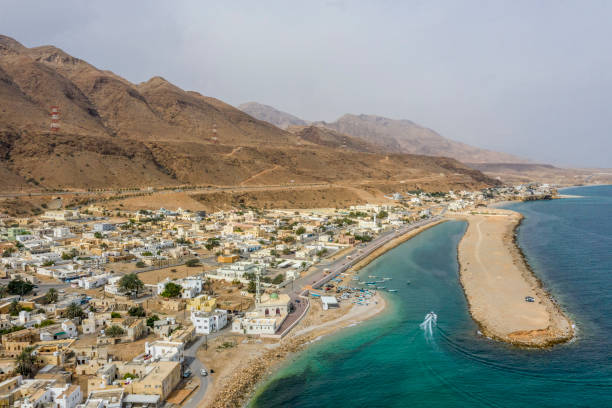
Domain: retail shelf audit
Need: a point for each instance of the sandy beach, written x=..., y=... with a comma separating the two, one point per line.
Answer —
x=496, y=279
x=240, y=368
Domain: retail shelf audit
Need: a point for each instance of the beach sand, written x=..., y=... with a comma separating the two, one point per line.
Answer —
x=496, y=279
x=239, y=369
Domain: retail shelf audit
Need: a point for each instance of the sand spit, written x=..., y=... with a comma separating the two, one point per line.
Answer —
x=497, y=279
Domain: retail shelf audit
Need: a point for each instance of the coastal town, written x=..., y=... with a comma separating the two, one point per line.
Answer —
x=106, y=307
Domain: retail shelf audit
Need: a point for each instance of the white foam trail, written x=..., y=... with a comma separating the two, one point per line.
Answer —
x=431, y=319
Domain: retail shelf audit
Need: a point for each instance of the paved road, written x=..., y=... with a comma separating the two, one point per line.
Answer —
x=170, y=190
x=318, y=276
x=195, y=365
x=299, y=307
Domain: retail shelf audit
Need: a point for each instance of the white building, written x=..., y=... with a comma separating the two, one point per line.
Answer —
x=329, y=302
x=112, y=287
x=61, y=215
x=68, y=396
x=161, y=350
x=70, y=328
x=62, y=233
x=92, y=282
x=208, y=322
x=192, y=286
x=24, y=317
x=255, y=325
x=236, y=270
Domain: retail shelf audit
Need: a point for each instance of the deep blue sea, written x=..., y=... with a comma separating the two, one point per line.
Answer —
x=390, y=362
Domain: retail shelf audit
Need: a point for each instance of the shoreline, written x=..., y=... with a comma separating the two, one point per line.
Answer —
x=325, y=329
x=255, y=371
x=495, y=292
x=392, y=244
x=249, y=374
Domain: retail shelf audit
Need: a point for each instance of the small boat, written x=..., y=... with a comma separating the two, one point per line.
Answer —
x=380, y=287
x=372, y=276
x=408, y=282
x=387, y=279
x=392, y=290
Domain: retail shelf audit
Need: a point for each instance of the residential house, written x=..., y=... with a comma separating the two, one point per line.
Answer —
x=208, y=322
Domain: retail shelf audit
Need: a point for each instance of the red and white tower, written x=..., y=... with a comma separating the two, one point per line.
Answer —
x=55, y=118
x=213, y=138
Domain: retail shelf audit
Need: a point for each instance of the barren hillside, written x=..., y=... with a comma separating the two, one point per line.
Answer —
x=117, y=134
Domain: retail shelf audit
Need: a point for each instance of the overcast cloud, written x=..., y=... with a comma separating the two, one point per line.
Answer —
x=532, y=78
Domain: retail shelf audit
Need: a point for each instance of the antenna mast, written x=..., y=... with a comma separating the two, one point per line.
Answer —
x=55, y=118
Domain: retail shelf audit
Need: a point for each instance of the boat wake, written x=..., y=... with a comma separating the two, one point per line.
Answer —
x=431, y=319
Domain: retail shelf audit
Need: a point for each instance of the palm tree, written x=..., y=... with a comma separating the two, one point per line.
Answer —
x=131, y=282
x=14, y=308
x=25, y=362
x=51, y=296
x=74, y=310
x=114, y=331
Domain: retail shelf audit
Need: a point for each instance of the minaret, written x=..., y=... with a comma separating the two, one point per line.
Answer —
x=257, y=288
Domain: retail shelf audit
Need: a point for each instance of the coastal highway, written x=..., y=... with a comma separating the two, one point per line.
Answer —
x=318, y=276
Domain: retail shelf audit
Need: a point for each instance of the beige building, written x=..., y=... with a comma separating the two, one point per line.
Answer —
x=14, y=343
x=273, y=305
x=160, y=380
x=202, y=302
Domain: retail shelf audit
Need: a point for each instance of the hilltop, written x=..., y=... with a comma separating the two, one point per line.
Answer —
x=271, y=115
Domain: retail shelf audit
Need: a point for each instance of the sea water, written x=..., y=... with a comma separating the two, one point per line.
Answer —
x=390, y=361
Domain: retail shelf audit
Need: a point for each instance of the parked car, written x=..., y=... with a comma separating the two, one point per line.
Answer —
x=187, y=373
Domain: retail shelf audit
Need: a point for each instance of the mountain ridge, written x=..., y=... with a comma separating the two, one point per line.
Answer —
x=391, y=135
x=115, y=134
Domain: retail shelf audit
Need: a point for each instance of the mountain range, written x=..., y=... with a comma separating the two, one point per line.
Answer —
x=114, y=133
x=396, y=136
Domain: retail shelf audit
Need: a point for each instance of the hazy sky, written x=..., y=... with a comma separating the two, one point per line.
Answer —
x=533, y=78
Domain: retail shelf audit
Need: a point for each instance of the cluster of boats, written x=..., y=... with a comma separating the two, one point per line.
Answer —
x=375, y=284
x=358, y=296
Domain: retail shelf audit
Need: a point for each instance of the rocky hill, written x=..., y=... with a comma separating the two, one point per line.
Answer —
x=407, y=137
x=271, y=115
x=396, y=136
x=324, y=136
x=114, y=133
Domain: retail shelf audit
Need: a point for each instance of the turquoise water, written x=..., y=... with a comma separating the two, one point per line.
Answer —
x=389, y=362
